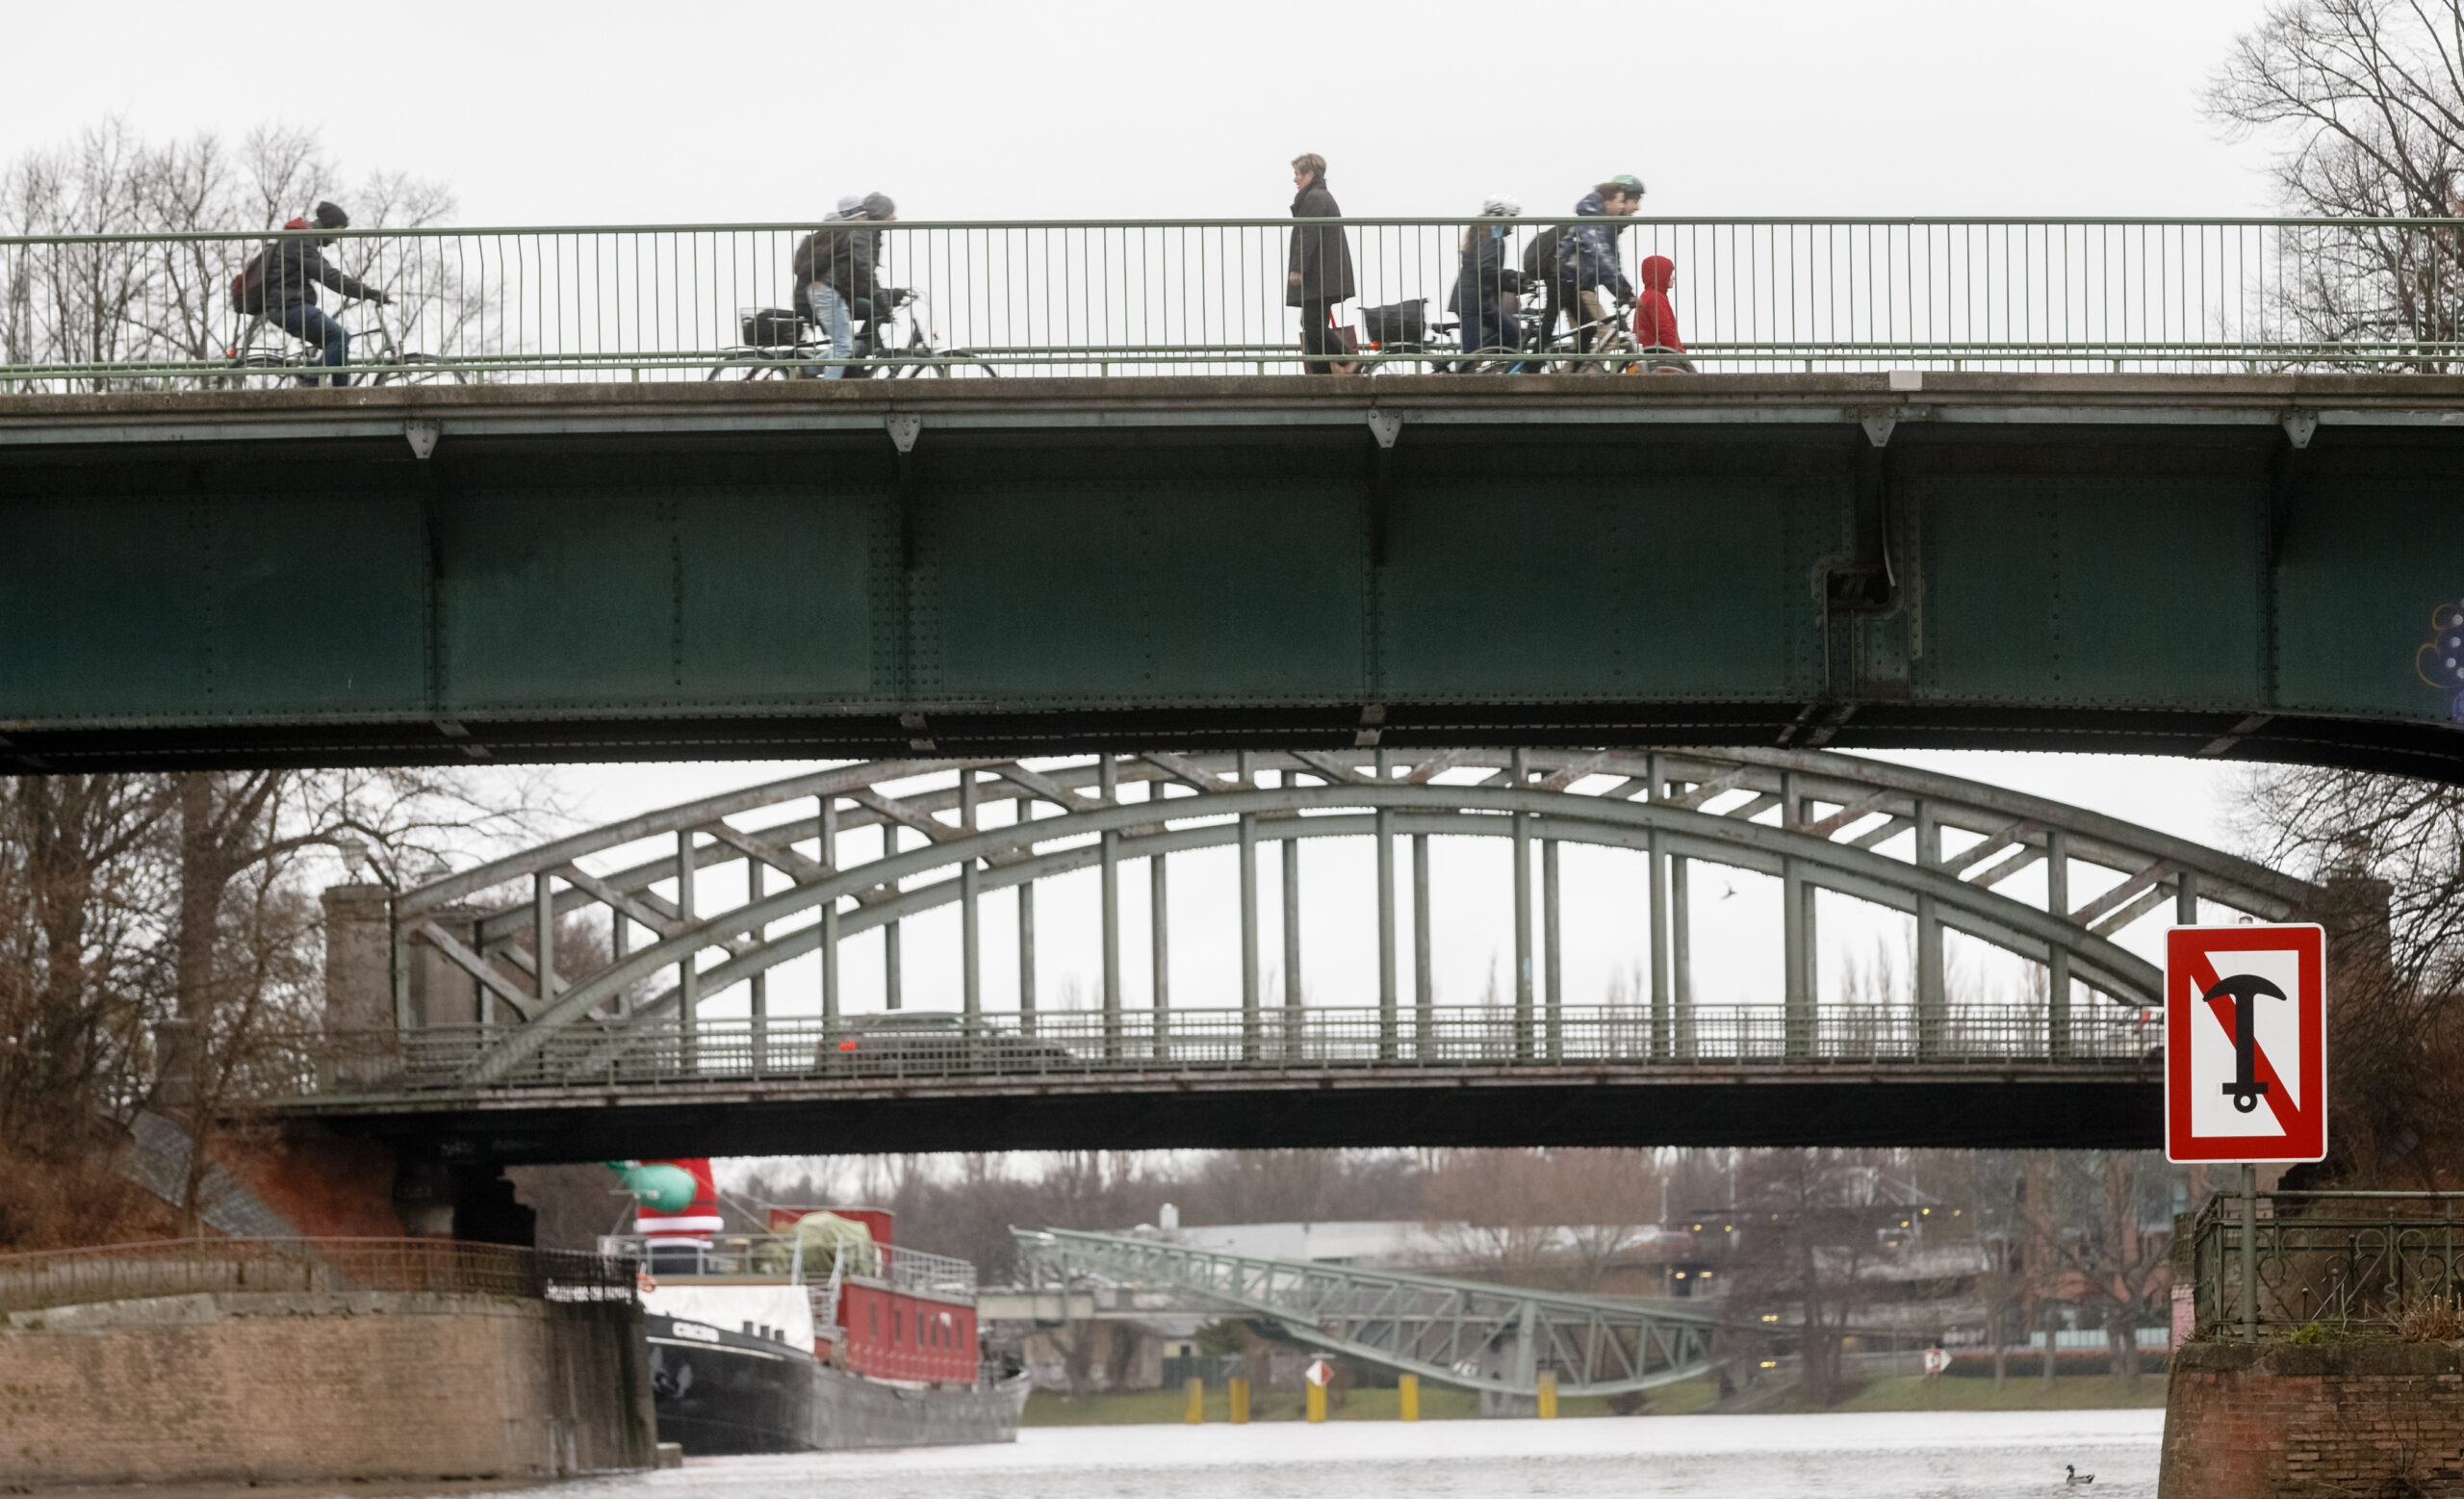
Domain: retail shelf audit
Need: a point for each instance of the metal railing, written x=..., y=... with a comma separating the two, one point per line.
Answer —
x=784, y=1256
x=686, y=302
x=2343, y=1262
x=1049, y=1043
x=185, y=1267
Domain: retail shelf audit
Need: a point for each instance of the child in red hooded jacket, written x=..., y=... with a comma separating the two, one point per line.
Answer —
x=1655, y=320
x=1655, y=323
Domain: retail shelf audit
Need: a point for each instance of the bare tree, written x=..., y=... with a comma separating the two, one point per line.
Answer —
x=99, y=289
x=2395, y=1024
x=2366, y=99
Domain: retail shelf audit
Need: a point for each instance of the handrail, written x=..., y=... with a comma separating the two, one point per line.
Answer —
x=176, y=1267
x=1153, y=295
x=2311, y=1262
x=783, y=1254
x=1055, y=1045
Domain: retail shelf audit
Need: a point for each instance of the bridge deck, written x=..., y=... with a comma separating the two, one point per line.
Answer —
x=2101, y=1104
x=2188, y=565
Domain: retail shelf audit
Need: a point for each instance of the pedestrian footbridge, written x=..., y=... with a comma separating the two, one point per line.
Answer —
x=1494, y=1340
x=2089, y=485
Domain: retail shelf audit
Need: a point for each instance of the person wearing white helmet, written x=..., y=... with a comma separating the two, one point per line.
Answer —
x=1490, y=287
x=1586, y=265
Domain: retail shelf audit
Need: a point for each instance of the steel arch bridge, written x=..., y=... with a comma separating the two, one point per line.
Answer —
x=1476, y=1335
x=449, y=1019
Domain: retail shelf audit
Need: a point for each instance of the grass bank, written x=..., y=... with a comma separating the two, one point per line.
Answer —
x=1894, y=1392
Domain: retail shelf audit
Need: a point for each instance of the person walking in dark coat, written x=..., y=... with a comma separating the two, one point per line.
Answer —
x=1319, y=274
x=280, y=281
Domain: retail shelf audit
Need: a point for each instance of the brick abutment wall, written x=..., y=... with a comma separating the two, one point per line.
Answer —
x=2271, y=1420
x=317, y=1387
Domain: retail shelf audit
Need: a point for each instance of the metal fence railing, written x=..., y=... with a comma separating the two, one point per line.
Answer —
x=2341, y=1261
x=183, y=1267
x=723, y=302
x=1080, y=1042
x=783, y=1254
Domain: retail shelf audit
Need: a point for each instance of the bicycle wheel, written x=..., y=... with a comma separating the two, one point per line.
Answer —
x=417, y=370
x=257, y=370
x=741, y=364
x=960, y=362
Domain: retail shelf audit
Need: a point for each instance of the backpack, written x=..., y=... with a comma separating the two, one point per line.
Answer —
x=248, y=287
x=1540, y=256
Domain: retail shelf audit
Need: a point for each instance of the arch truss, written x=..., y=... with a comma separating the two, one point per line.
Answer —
x=481, y=997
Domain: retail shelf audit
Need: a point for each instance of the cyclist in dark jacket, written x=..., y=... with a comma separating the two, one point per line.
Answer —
x=1587, y=260
x=280, y=282
x=836, y=268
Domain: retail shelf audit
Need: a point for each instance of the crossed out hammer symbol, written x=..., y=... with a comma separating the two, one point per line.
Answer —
x=2244, y=990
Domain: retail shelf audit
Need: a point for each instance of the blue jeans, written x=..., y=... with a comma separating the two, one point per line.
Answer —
x=829, y=313
x=310, y=325
x=1490, y=328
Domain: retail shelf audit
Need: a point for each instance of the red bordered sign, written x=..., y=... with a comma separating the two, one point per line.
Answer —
x=2246, y=1042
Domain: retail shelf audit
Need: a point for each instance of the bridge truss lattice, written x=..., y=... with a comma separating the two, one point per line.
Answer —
x=1469, y=1334
x=481, y=997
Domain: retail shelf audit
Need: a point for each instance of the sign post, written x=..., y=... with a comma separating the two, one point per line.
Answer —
x=2245, y=1059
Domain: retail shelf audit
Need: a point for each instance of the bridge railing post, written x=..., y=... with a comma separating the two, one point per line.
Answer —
x=1251, y=1027
x=1523, y=1047
x=2057, y=901
x=1387, y=998
x=1929, y=990
x=1663, y=1015
x=364, y=1041
x=1425, y=1046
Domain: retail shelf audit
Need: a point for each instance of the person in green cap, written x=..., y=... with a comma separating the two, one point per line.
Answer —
x=1587, y=261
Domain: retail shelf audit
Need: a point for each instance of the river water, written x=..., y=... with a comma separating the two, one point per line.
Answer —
x=1966, y=1455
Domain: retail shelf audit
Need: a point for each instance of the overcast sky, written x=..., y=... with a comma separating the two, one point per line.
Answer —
x=540, y=112
x=543, y=112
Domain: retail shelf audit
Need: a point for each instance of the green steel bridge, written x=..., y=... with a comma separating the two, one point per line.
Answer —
x=2085, y=484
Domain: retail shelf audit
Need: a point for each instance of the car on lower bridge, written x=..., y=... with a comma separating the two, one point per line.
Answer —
x=934, y=1041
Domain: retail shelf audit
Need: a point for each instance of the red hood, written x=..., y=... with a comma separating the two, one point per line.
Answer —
x=1658, y=272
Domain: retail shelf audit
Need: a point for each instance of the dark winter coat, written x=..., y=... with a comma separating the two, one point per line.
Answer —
x=1540, y=256
x=1587, y=255
x=1486, y=276
x=1320, y=254
x=287, y=272
x=843, y=254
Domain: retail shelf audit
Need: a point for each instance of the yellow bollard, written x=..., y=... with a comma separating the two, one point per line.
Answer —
x=1548, y=1394
x=1196, y=1416
x=1317, y=1402
x=1409, y=1388
x=1240, y=1401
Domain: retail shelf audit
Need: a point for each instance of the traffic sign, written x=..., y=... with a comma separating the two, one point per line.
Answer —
x=1318, y=1372
x=2246, y=1042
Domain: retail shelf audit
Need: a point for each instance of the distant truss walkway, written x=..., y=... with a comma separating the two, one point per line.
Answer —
x=1494, y=1340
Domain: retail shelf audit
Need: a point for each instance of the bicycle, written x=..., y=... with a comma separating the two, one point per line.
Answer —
x=779, y=344
x=1615, y=340
x=1403, y=328
x=267, y=354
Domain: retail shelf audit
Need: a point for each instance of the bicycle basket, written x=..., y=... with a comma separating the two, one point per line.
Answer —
x=1402, y=325
x=772, y=328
